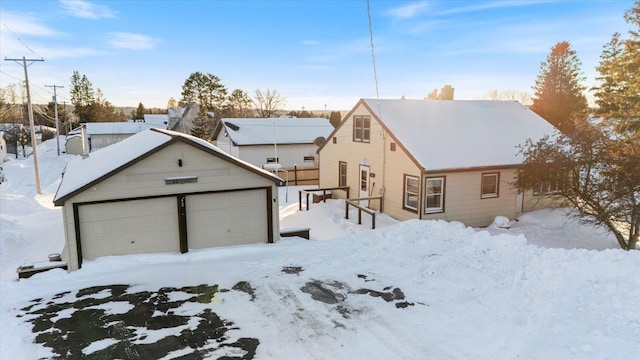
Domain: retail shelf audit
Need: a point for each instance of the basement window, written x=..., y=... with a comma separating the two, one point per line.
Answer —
x=181, y=180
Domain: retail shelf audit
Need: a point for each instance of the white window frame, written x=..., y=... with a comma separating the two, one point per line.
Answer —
x=496, y=191
x=440, y=207
x=408, y=193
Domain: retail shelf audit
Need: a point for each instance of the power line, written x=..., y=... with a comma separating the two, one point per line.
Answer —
x=22, y=42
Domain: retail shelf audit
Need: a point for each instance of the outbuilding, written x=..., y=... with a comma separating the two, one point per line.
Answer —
x=163, y=191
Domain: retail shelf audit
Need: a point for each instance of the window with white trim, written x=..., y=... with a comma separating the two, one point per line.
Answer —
x=361, y=128
x=434, y=195
x=490, y=185
x=411, y=186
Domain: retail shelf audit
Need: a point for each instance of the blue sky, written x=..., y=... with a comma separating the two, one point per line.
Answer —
x=316, y=54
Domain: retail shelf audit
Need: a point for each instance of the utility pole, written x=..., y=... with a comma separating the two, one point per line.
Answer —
x=55, y=111
x=34, y=141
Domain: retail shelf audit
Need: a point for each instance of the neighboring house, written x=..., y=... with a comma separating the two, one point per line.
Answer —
x=163, y=191
x=102, y=134
x=3, y=147
x=252, y=140
x=182, y=119
x=434, y=159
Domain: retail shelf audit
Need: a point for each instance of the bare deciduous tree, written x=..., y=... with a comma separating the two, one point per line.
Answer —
x=268, y=102
x=522, y=97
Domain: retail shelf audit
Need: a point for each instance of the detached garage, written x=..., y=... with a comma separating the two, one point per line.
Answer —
x=163, y=191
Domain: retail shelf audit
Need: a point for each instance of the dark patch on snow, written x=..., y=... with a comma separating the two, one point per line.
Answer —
x=364, y=277
x=335, y=293
x=319, y=291
x=245, y=287
x=396, y=294
x=292, y=269
x=86, y=323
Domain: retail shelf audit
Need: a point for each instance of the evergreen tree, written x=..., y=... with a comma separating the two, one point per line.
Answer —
x=618, y=94
x=138, y=114
x=559, y=96
x=206, y=90
x=82, y=96
x=202, y=126
x=239, y=105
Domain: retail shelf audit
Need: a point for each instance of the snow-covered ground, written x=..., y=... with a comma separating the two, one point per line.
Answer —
x=546, y=288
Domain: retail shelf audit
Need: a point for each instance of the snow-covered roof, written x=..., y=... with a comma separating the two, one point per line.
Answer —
x=111, y=128
x=260, y=131
x=82, y=172
x=458, y=134
x=157, y=120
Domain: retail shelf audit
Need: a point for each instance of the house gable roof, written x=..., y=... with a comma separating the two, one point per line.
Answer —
x=284, y=130
x=83, y=173
x=459, y=134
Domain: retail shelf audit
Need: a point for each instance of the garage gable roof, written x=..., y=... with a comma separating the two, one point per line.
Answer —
x=82, y=173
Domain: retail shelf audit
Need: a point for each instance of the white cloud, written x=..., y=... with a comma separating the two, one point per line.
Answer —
x=408, y=11
x=124, y=40
x=310, y=42
x=489, y=5
x=24, y=24
x=87, y=10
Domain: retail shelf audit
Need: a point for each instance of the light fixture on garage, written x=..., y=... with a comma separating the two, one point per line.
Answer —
x=180, y=162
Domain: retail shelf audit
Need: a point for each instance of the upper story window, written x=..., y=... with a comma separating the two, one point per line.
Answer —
x=490, y=187
x=361, y=128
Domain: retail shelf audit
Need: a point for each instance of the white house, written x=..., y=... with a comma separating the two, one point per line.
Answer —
x=163, y=191
x=434, y=159
x=287, y=141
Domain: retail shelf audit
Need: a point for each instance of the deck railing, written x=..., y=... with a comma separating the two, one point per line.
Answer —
x=356, y=203
x=324, y=194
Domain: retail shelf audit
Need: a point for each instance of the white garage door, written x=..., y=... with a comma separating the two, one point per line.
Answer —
x=129, y=227
x=228, y=218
